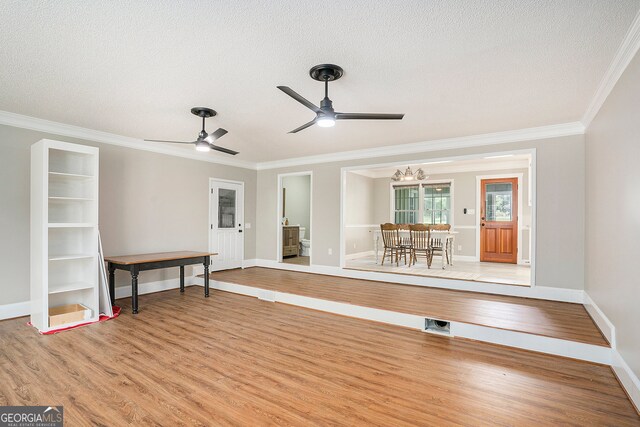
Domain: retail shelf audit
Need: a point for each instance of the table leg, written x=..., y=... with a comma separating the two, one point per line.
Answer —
x=444, y=253
x=134, y=289
x=182, y=279
x=206, y=276
x=112, y=283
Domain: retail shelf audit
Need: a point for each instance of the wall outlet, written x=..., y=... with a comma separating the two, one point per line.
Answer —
x=459, y=248
x=247, y=225
x=330, y=251
x=354, y=245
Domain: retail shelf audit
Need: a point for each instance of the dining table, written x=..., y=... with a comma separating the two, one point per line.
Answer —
x=446, y=237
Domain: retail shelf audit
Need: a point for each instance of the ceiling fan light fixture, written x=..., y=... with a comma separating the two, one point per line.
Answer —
x=202, y=146
x=326, y=116
x=326, y=122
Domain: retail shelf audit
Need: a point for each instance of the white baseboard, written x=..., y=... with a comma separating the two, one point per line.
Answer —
x=151, y=287
x=17, y=309
x=465, y=258
x=599, y=318
x=360, y=255
x=627, y=378
x=538, y=343
x=522, y=340
x=538, y=292
x=249, y=263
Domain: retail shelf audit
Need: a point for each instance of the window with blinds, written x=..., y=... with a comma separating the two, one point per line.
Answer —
x=422, y=203
x=407, y=201
x=437, y=203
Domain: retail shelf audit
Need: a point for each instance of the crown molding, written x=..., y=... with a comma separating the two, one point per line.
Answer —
x=529, y=134
x=41, y=125
x=627, y=50
x=47, y=126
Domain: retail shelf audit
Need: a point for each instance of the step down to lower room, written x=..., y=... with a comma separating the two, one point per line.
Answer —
x=559, y=328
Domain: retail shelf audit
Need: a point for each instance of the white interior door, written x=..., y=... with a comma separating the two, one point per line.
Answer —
x=227, y=224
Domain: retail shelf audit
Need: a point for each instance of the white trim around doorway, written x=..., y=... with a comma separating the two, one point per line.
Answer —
x=279, y=216
x=531, y=187
x=209, y=219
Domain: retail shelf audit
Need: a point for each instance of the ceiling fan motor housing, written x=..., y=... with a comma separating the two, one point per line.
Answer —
x=326, y=72
x=326, y=105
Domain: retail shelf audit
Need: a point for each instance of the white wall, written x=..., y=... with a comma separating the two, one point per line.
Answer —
x=560, y=208
x=613, y=212
x=298, y=201
x=359, y=213
x=149, y=202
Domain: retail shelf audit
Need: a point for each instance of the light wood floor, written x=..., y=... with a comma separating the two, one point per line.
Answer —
x=491, y=272
x=548, y=318
x=235, y=360
x=298, y=260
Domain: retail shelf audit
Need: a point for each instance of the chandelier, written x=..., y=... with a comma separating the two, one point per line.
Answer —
x=409, y=175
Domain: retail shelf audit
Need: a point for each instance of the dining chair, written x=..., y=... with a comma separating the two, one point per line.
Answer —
x=392, y=243
x=436, y=243
x=405, y=241
x=420, y=243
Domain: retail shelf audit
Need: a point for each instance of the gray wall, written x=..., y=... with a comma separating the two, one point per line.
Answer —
x=298, y=201
x=560, y=206
x=613, y=212
x=149, y=202
x=464, y=196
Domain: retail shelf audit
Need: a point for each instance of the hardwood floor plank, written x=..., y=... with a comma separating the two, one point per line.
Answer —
x=540, y=317
x=234, y=360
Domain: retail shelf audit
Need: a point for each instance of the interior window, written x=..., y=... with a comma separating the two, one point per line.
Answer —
x=406, y=204
x=422, y=203
x=437, y=203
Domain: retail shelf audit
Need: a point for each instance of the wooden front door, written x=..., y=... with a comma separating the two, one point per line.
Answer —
x=499, y=220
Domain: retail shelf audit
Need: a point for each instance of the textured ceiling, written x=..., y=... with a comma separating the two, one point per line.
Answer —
x=454, y=67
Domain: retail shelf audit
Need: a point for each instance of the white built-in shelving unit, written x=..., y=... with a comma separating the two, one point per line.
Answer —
x=64, y=229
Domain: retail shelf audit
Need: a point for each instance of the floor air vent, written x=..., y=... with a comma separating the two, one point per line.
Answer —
x=435, y=326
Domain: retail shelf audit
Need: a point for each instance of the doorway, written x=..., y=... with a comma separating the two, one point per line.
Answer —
x=226, y=218
x=499, y=220
x=294, y=218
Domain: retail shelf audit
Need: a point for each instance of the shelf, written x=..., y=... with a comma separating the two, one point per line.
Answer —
x=68, y=257
x=69, y=175
x=64, y=232
x=75, y=199
x=71, y=225
x=69, y=287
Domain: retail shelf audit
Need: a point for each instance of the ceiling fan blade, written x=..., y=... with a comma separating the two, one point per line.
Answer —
x=223, y=150
x=216, y=135
x=174, y=142
x=304, y=126
x=368, y=116
x=295, y=95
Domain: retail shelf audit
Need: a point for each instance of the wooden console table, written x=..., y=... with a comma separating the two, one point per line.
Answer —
x=143, y=262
